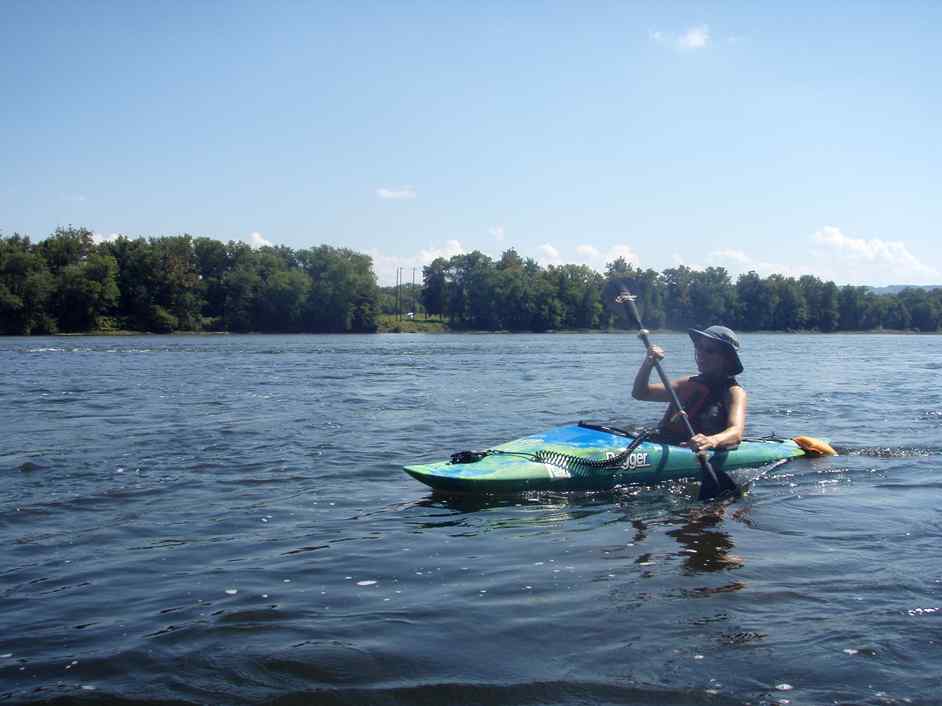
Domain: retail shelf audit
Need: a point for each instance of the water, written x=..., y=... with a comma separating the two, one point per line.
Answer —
x=224, y=520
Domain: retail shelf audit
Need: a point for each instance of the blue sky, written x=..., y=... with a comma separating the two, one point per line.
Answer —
x=779, y=137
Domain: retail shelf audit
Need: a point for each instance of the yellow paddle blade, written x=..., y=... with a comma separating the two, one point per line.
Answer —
x=815, y=447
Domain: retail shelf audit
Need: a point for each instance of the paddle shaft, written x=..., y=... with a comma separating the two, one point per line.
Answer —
x=643, y=335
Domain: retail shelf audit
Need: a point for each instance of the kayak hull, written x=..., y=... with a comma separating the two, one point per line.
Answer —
x=650, y=463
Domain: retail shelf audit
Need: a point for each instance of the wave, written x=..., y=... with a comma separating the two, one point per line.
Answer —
x=891, y=452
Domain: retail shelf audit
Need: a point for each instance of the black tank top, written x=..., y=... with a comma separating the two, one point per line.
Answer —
x=706, y=406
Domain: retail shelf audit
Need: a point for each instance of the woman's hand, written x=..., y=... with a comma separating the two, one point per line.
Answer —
x=701, y=442
x=654, y=353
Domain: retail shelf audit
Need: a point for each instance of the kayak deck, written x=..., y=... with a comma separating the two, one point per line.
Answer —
x=511, y=468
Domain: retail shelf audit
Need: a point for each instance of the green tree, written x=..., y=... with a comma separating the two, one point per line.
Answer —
x=510, y=260
x=212, y=264
x=874, y=312
x=547, y=309
x=85, y=291
x=923, y=309
x=897, y=314
x=757, y=302
x=470, y=287
x=282, y=298
x=242, y=285
x=852, y=307
x=823, y=301
x=514, y=299
x=577, y=289
x=178, y=288
x=434, y=287
x=475, y=271
x=678, y=306
x=791, y=309
x=712, y=297
x=343, y=295
x=67, y=246
x=26, y=286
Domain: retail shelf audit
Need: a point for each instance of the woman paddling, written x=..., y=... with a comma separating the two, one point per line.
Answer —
x=714, y=401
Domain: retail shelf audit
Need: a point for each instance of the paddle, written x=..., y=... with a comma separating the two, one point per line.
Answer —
x=714, y=483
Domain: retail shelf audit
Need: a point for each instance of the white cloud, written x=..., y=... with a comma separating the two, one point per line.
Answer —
x=100, y=238
x=450, y=249
x=679, y=261
x=625, y=252
x=256, y=240
x=737, y=257
x=587, y=254
x=695, y=37
x=549, y=255
x=397, y=193
x=834, y=256
x=385, y=266
x=737, y=262
x=497, y=232
x=872, y=261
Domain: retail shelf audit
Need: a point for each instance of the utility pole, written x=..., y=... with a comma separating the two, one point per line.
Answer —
x=398, y=294
x=415, y=314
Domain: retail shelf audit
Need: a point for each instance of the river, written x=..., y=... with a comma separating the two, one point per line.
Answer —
x=224, y=519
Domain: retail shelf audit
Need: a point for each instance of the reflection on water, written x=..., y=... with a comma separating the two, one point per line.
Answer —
x=706, y=547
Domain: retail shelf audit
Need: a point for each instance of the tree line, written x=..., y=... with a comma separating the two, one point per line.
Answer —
x=70, y=283
x=476, y=292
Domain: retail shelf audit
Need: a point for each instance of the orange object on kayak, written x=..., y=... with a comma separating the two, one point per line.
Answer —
x=816, y=447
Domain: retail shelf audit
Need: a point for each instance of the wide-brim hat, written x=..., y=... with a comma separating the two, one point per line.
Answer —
x=724, y=336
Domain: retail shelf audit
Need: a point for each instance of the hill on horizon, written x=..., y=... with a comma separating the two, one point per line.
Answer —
x=897, y=288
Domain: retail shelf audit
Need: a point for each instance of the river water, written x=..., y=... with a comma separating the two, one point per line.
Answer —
x=224, y=520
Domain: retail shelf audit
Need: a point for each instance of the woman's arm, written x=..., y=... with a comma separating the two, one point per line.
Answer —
x=644, y=389
x=732, y=434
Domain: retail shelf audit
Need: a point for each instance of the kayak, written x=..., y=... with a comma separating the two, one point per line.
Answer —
x=589, y=456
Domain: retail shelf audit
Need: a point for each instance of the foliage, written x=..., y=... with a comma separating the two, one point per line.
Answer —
x=26, y=287
x=181, y=283
x=474, y=292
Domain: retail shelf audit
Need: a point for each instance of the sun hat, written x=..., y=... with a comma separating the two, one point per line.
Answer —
x=724, y=336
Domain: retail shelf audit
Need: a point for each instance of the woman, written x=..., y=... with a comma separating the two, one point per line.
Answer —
x=714, y=401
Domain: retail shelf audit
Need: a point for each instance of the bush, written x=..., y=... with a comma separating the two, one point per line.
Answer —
x=162, y=321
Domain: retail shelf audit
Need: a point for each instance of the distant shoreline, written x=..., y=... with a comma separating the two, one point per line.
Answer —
x=445, y=330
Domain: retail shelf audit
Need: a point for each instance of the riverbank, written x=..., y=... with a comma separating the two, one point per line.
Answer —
x=391, y=324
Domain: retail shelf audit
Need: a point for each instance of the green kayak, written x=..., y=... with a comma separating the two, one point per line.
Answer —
x=589, y=456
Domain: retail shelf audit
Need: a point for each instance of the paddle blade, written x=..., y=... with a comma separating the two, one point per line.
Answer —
x=715, y=483
x=722, y=489
x=814, y=447
x=615, y=297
